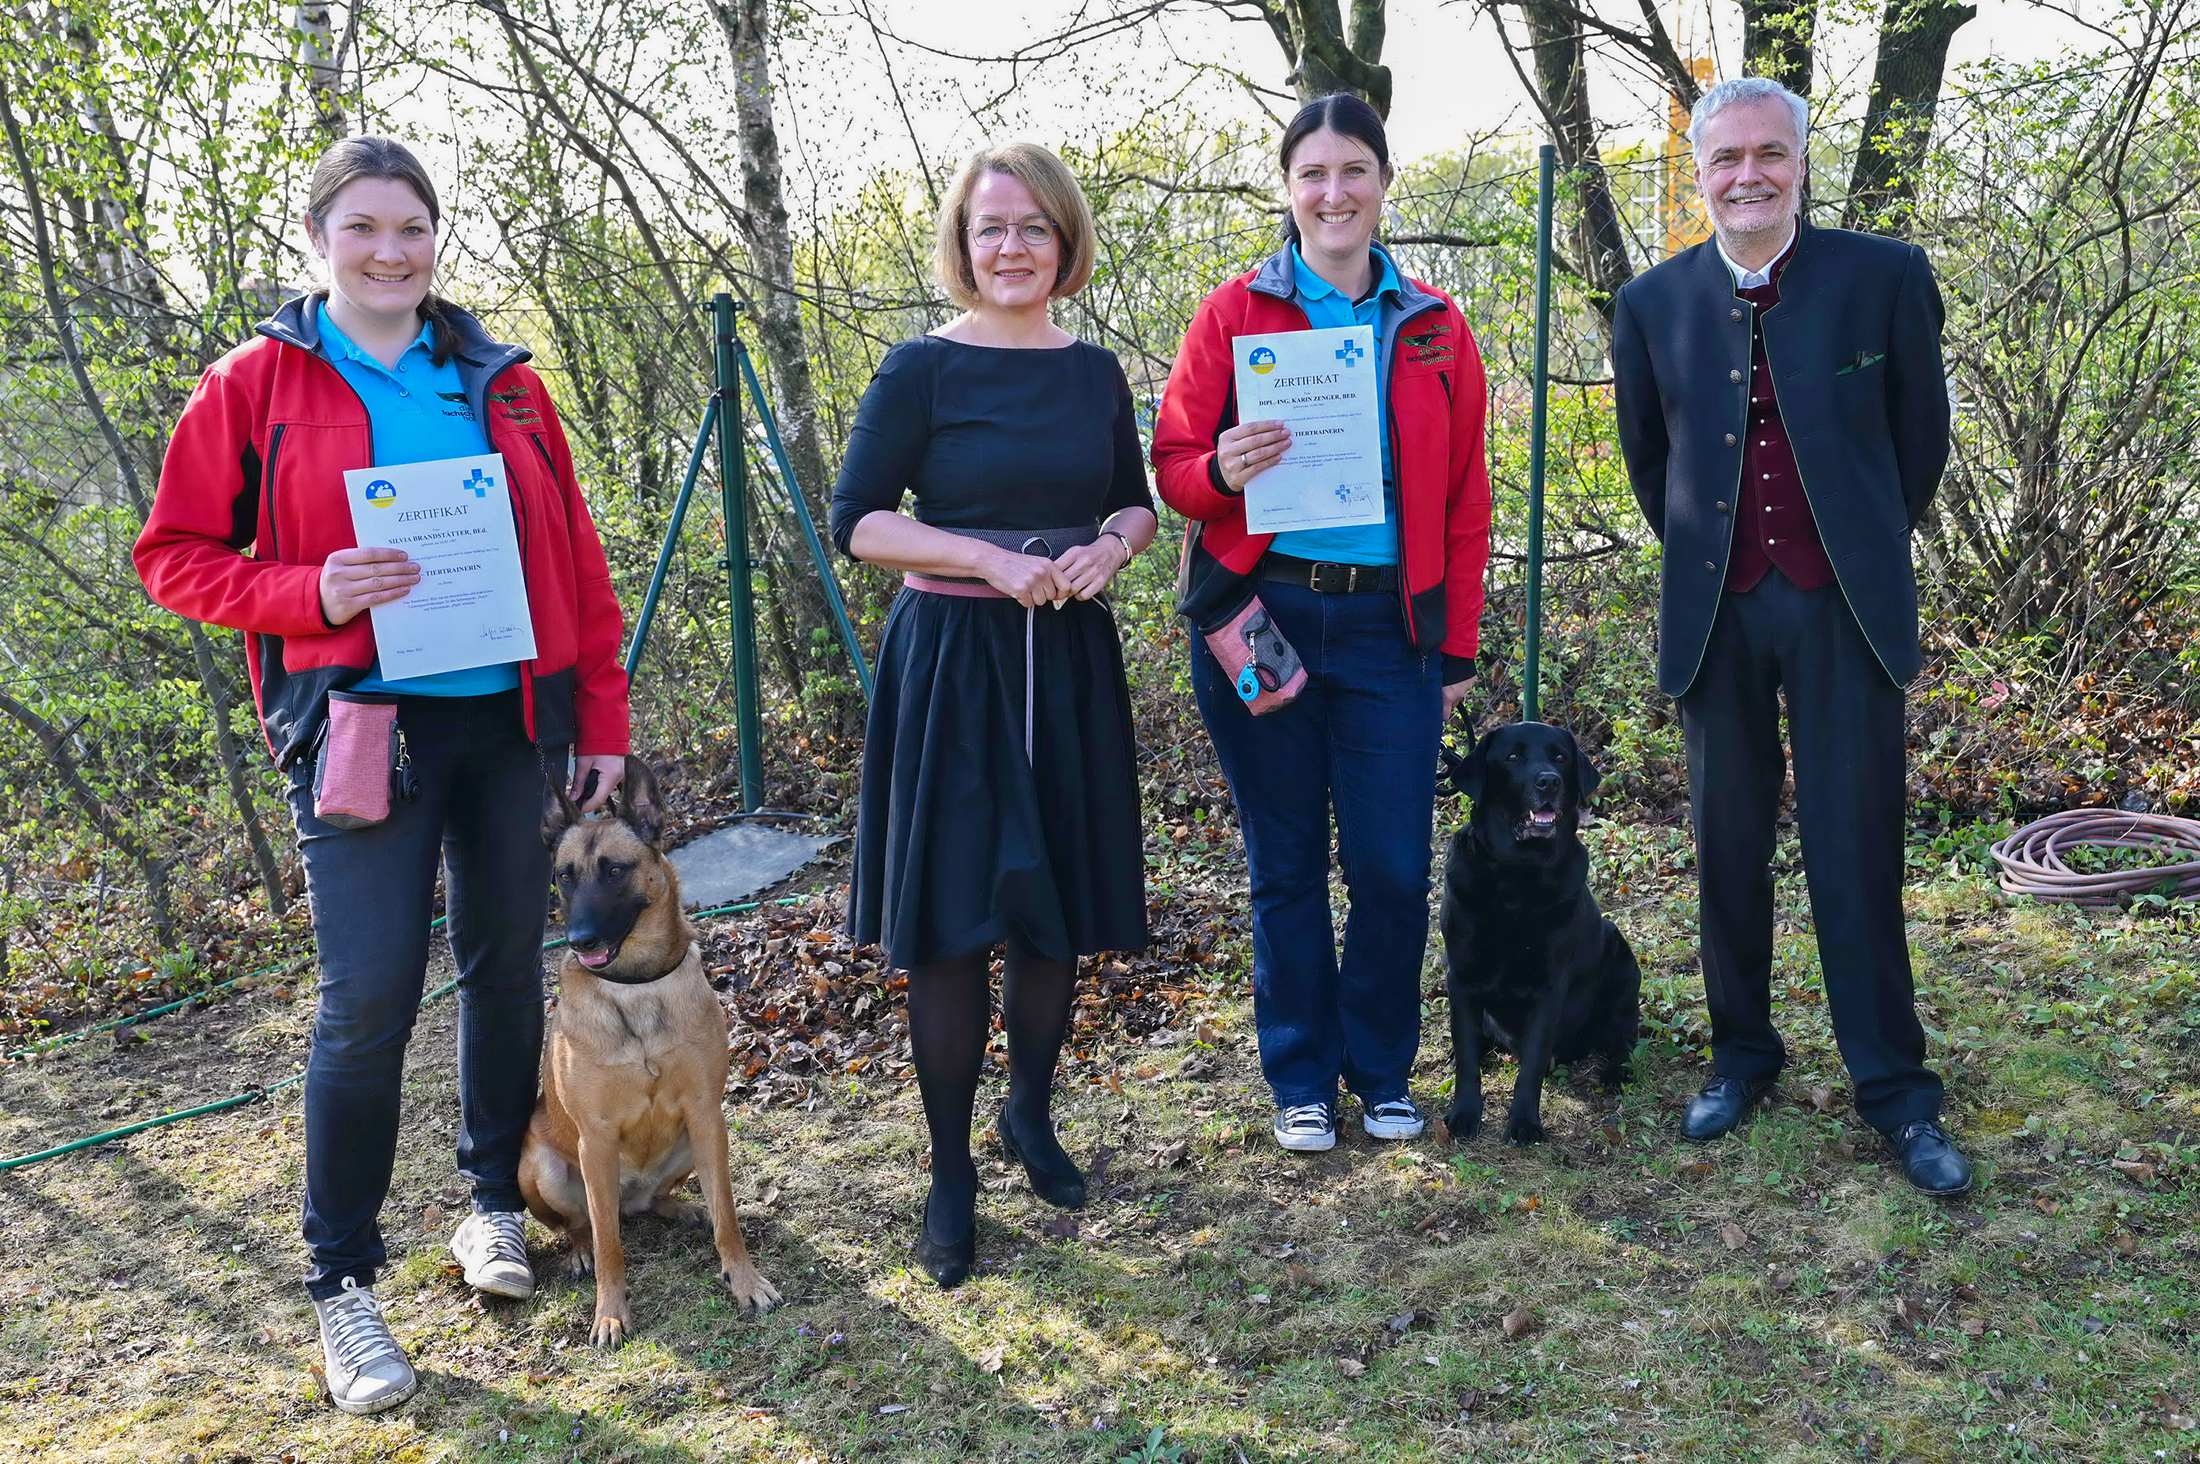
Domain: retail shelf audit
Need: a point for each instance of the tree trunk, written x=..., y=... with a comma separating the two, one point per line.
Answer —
x=1898, y=118
x=770, y=245
x=1326, y=59
x=1599, y=243
x=1777, y=36
x=232, y=756
x=318, y=49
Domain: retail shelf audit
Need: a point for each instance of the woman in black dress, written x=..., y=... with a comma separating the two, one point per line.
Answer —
x=1000, y=788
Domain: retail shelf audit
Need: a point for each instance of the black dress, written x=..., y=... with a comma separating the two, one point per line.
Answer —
x=960, y=841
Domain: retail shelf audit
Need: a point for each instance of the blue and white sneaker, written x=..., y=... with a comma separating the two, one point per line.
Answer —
x=1397, y=1119
x=1307, y=1128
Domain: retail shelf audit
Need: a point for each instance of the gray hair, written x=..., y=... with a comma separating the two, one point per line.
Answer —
x=1747, y=89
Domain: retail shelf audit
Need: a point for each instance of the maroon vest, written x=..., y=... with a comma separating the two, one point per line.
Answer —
x=1773, y=524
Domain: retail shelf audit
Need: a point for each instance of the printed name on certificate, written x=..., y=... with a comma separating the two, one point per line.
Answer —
x=1321, y=384
x=453, y=518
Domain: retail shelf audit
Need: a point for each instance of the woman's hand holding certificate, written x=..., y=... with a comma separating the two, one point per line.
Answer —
x=356, y=580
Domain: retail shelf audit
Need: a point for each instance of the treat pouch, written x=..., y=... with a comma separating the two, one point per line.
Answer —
x=361, y=762
x=1258, y=660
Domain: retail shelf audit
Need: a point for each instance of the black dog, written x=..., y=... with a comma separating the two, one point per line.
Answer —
x=1531, y=965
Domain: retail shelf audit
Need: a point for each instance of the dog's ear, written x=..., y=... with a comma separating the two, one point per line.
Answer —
x=639, y=803
x=559, y=812
x=1586, y=777
x=1471, y=775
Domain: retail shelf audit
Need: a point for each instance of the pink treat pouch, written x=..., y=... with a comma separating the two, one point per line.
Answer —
x=1260, y=663
x=351, y=779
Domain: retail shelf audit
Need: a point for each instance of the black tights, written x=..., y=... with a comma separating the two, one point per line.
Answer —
x=950, y=1018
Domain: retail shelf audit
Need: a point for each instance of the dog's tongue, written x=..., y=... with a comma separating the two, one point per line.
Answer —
x=1543, y=816
x=593, y=959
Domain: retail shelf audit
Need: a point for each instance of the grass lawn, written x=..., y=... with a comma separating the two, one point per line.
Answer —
x=1610, y=1295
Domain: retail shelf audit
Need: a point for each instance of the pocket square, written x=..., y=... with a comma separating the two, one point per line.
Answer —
x=1863, y=359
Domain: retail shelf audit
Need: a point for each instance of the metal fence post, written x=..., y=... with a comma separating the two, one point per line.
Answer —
x=733, y=486
x=648, y=617
x=1532, y=676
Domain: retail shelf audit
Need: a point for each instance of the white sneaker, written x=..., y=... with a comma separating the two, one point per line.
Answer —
x=1307, y=1127
x=1397, y=1119
x=492, y=1247
x=366, y=1369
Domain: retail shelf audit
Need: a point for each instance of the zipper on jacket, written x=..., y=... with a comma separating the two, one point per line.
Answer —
x=1398, y=459
x=267, y=493
x=519, y=522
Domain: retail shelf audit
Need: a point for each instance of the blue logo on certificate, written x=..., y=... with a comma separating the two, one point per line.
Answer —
x=1350, y=353
x=480, y=484
x=381, y=493
x=1262, y=360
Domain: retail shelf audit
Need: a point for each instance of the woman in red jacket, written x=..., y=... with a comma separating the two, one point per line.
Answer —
x=1383, y=617
x=251, y=529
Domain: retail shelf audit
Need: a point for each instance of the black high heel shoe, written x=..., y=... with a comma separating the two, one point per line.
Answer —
x=1064, y=1188
x=948, y=1265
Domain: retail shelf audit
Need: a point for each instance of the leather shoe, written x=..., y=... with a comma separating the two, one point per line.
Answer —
x=1063, y=1186
x=1930, y=1159
x=1721, y=1106
x=949, y=1265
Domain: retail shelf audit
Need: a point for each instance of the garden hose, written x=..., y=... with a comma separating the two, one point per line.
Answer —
x=2032, y=859
x=254, y=1094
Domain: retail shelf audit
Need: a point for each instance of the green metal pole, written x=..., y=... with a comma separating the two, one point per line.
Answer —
x=648, y=616
x=1531, y=680
x=733, y=485
x=825, y=579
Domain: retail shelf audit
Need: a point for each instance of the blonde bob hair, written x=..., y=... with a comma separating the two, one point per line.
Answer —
x=1059, y=198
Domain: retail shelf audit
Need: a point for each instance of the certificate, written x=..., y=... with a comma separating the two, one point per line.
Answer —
x=1321, y=385
x=453, y=518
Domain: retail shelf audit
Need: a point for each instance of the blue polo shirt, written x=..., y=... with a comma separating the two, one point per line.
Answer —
x=1327, y=308
x=418, y=413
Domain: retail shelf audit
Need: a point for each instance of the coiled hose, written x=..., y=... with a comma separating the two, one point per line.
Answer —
x=2032, y=859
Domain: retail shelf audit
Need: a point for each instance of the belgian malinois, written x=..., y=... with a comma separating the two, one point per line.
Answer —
x=636, y=1072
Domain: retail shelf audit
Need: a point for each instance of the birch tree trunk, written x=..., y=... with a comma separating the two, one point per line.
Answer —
x=320, y=53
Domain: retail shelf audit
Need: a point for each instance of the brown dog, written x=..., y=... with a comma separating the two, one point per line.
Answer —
x=636, y=1072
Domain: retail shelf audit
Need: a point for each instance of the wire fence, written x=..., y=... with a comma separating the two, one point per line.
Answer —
x=146, y=844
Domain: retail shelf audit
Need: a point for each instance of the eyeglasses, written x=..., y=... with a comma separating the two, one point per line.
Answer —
x=992, y=233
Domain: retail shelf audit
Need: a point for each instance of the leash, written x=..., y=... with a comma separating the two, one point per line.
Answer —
x=1023, y=541
x=1031, y=652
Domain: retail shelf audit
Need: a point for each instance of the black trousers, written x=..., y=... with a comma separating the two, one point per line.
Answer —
x=1845, y=723
x=479, y=815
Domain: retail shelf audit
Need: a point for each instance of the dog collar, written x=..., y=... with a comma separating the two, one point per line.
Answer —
x=629, y=980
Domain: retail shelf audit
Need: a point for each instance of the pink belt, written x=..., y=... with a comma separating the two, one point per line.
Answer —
x=968, y=589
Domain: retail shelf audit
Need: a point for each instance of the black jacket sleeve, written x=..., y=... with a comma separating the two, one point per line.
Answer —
x=1642, y=439
x=1917, y=385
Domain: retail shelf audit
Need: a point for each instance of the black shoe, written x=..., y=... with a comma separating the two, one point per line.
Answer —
x=1063, y=1186
x=1930, y=1159
x=949, y=1265
x=1721, y=1106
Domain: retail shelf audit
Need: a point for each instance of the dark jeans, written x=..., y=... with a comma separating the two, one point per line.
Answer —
x=1361, y=738
x=1845, y=723
x=373, y=891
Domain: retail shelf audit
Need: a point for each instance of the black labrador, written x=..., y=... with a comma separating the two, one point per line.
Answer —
x=1531, y=965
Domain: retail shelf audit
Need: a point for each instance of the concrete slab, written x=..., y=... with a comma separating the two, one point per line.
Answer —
x=728, y=865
